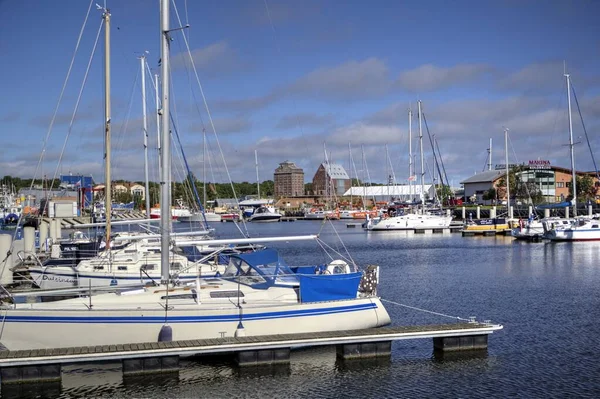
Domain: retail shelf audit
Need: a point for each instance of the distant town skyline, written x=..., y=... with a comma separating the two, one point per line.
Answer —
x=303, y=81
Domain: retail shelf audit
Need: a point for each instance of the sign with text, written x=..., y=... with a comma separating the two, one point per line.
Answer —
x=539, y=164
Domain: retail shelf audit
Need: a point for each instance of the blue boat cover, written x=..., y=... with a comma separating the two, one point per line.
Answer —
x=555, y=206
x=328, y=287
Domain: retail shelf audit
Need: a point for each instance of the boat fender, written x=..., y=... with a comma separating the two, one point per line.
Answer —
x=165, y=334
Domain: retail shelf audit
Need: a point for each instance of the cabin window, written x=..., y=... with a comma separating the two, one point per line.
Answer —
x=98, y=267
x=148, y=267
x=175, y=266
x=594, y=226
x=130, y=251
x=180, y=296
x=226, y=294
x=122, y=268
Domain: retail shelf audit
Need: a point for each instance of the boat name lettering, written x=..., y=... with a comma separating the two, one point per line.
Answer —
x=57, y=279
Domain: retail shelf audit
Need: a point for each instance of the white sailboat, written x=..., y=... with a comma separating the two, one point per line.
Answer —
x=257, y=294
x=202, y=215
x=577, y=228
x=410, y=221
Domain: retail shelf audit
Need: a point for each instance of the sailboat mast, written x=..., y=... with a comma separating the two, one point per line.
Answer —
x=490, y=155
x=410, y=160
x=165, y=184
x=422, y=159
x=571, y=145
x=107, y=185
x=507, y=172
x=204, y=168
x=257, y=179
x=157, y=94
x=145, y=131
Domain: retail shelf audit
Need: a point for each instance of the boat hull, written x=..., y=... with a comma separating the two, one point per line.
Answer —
x=36, y=329
x=59, y=278
x=410, y=222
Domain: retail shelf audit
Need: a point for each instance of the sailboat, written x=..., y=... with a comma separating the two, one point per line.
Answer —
x=256, y=295
x=409, y=221
x=202, y=215
x=264, y=212
x=578, y=228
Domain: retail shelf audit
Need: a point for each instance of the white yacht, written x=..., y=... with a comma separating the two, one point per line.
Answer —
x=265, y=214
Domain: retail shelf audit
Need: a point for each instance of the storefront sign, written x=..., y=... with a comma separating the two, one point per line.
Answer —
x=539, y=164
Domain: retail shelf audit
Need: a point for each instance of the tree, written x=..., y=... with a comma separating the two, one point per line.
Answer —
x=490, y=194
x=444, y=192
x=586, y=188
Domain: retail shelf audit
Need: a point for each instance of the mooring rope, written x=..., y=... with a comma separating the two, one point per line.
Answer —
x=427, y=311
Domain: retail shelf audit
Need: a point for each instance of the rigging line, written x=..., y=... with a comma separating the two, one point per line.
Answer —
x=60, y=97
x=435, y=160
x=123, y=128
x=206, y=107
x=298, y=122
x=556, y=116
x=585, y=130
x=193, y=184
x=425, y=310
x=85, y=77
x=62, y=91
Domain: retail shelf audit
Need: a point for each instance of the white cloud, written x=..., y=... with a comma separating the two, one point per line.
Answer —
x=430, y=77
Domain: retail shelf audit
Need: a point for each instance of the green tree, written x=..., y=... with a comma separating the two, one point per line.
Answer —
x=444, y=192
x=586, y=188
x=490, y=194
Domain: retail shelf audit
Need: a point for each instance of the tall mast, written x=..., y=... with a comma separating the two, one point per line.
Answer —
x=422, y=160
x=204, y=168
x=410, y=160
x=387, y=173
x=157, y=94
x=507, y=172
x=145, y=131
x=490, y=155
x=571, y=145
x=165, y=184
x=107, y=185
x=257, y=179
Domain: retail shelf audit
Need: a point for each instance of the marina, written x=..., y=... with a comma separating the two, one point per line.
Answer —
x=144, y=249
x=539, y=292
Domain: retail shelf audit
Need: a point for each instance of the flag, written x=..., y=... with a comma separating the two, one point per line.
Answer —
x=412, y=178
x=78, y=183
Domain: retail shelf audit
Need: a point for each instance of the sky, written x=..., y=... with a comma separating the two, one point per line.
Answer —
x=303, y=82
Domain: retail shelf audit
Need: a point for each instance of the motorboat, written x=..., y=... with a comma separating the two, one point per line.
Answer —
x=265, y=214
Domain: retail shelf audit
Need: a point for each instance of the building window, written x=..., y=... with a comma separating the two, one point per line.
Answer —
x=560, y=184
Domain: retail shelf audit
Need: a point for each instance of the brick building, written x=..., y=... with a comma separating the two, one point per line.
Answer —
x=288, y=180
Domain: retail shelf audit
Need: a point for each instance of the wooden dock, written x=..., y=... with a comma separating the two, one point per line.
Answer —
x=486, y=233
x=159, y=357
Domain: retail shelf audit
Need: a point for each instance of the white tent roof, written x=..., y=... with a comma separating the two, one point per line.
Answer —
x=388, y=191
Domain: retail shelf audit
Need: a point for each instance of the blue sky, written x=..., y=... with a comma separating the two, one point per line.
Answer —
x=288, y=78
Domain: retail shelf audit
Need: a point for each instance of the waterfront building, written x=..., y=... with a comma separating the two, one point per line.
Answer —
x=288, y=180
x=331, y=179
x=553, y=182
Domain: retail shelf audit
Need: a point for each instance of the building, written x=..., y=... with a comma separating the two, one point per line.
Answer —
x=390, y=193
x=553, y=182
x=331, y=179
x=289, y=180
x=135, y=189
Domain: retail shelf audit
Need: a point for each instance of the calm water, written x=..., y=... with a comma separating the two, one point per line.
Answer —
x=545, y=295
